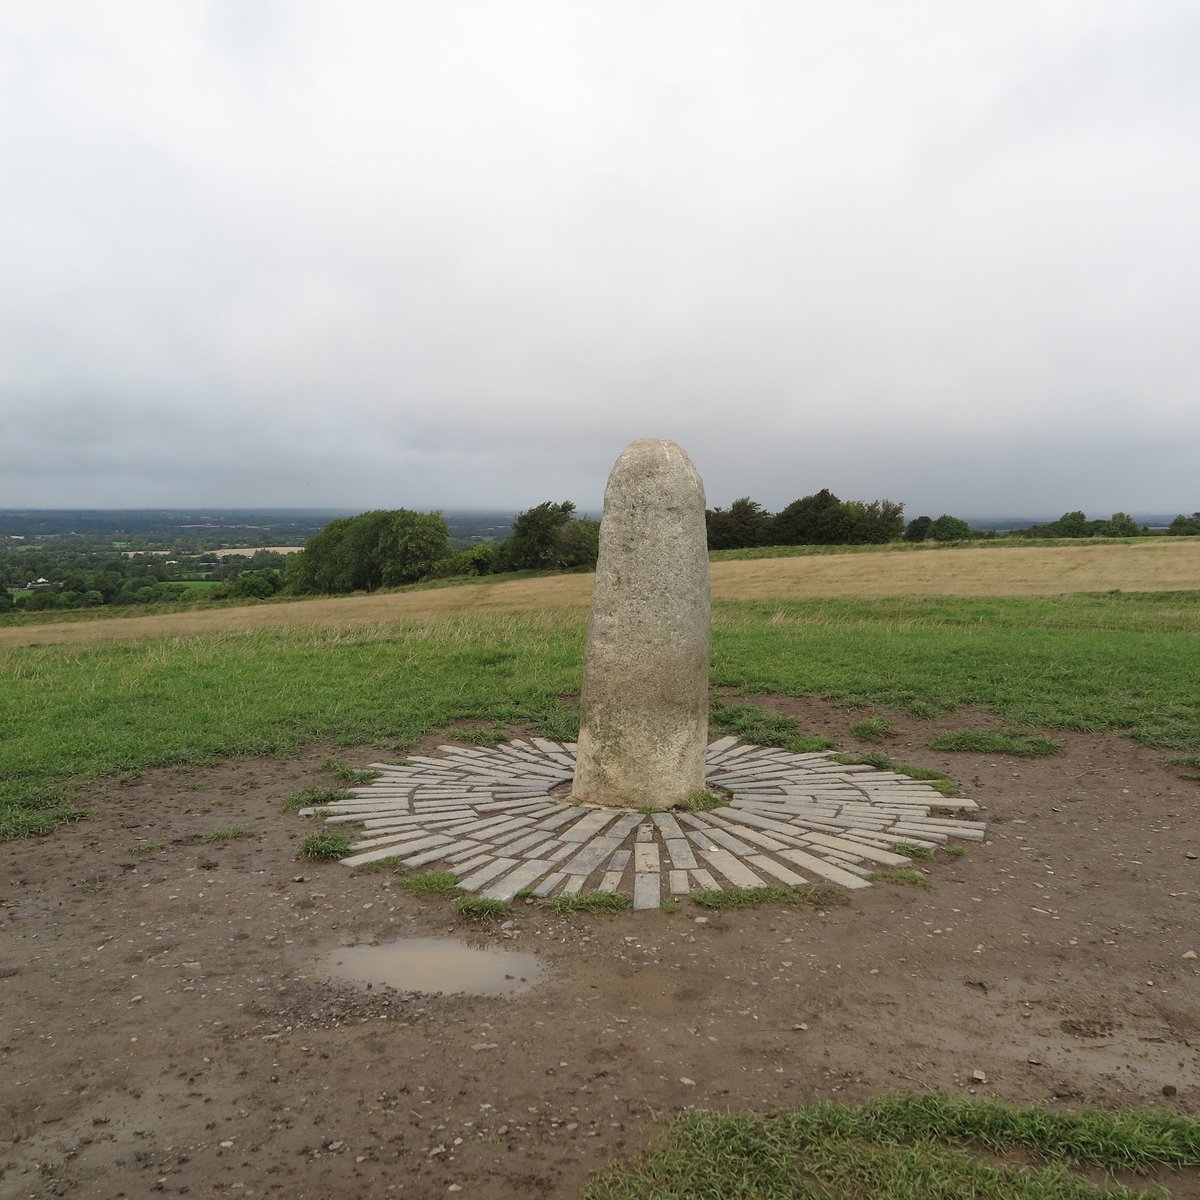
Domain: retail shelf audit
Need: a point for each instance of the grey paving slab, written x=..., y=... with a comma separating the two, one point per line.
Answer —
x=485, y=813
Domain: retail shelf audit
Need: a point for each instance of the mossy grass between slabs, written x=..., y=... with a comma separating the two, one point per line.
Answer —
x=702, y=800
x=323, y=847
x=1014, y=742
x=938, y=780
x=313, y=797
x=436, y=883
x=904, y=875
x=909, y=850
x=587, y=902
x=815, y=895
x=902, y=1148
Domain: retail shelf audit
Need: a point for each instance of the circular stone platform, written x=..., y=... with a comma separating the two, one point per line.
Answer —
x=489, y=817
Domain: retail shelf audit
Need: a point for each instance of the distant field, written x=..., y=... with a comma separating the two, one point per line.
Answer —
x=1151, y=566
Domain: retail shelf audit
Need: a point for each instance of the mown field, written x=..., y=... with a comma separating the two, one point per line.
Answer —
x=84, y=700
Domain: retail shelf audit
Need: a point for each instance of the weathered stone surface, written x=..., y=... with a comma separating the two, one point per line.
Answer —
x=644, y=704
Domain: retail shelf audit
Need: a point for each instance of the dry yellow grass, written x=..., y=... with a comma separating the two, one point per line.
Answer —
x=991, y=571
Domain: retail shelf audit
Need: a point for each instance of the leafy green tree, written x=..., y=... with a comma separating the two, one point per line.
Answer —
x=579, y=543
x=873, y=523
x=949, y=529
x=476, y=560
x=1121, y=525
x=815, y=520
x=6, y=600
x=917, y=530
x=534, y=543
x=412, y=546
x=1185, y=526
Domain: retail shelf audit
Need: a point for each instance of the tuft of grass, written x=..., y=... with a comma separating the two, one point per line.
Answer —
x=313, y=797
x=235, y=833
x=321, y=847
x=671, y=906
x=904, y=875
x=141, y=848
x=938, y=780
x=588, y=902
x=379, y=866
x=955, y=851
x=754, y=724
x=911, y=851
x=901, y=1147
x=436, y=883
x=873, y=729
x=344, y=773
x=480, y=908
x=1015, y=742
x=742, y=897
x=702, y=800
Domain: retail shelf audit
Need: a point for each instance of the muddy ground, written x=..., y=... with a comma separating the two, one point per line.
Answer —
x=165, y=1027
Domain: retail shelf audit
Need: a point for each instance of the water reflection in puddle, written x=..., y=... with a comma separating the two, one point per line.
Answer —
x=437, y=965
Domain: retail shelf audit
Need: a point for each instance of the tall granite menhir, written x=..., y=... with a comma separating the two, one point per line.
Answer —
x=644, y=706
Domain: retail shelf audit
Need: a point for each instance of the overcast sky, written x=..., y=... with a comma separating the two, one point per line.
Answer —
x=442, y=254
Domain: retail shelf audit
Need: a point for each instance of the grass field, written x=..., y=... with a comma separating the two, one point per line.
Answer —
x=74, y=712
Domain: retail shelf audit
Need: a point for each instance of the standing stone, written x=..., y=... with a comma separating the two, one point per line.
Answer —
x=644, y=706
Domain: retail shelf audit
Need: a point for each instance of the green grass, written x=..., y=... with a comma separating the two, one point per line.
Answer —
x=587, y=902
x=905, y=875
x=436, y=883
x=741, y=897
x=873, y=729
x=756, y=725
x=911, y=851
x=380, y=866
x=233, y=834
x=143, y=848
x=1014, y=742
x=938, y=780
x=481, y=909
x=903, y=1148
x=74, y=714
x=322, y=847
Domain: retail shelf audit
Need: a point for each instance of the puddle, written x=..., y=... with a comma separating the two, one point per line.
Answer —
x=437, y=965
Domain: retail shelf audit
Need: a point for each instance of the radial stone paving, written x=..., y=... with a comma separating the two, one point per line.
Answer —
x=488, y=816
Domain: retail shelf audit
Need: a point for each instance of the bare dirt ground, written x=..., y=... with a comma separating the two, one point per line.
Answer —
x=164, y=1026
x=1154, y=566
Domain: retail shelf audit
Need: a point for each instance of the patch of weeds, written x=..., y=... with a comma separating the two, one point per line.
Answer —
x=480, y=908
x=905, y=875
x=873, y=729
x=313, y=797
x=1016, y=742
x=938, y=780
x=911, y=851
x=754, y=724
x=344, y=773
x=146, y=847
x=702, y=800
x=321, y=847
x=96, y=884
x=740, y=897
x=235, y=833
x=194, y=787
x=648, y=809
x=588, y=902
x=671, y=906
x=437, y=883
x=955, y=851
x=379, y=866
